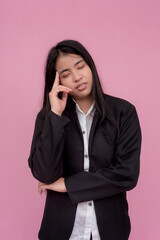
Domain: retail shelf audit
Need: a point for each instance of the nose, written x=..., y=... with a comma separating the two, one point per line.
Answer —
x=76, y=76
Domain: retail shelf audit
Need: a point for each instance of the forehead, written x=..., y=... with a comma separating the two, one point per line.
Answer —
x=67, y=60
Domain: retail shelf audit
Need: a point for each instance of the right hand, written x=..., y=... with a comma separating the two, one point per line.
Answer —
x=58, y=105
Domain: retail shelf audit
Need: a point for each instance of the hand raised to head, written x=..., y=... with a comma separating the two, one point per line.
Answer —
x=58, y=105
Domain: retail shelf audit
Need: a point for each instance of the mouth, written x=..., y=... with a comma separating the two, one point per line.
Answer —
x=82, y=85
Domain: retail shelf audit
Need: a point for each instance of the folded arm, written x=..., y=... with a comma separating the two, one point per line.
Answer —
x=121, y=175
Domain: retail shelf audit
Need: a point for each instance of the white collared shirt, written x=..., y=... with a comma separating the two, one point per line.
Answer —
x=85, y=220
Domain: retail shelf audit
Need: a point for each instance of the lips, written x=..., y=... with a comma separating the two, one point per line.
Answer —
x=80, y=84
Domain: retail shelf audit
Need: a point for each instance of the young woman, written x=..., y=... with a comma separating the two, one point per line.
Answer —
x=85, y=151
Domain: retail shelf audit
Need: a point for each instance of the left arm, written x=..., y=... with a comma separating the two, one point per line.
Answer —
x=58, y=186
x=120, y=176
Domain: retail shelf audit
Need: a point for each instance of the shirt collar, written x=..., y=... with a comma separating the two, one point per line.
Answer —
x=91, y=110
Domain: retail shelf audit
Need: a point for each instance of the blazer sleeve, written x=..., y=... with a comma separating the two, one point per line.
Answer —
x=45, y=159
x=121, y=175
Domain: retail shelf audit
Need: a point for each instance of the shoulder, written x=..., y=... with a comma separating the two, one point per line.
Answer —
x=119, y=105
x=41, y=114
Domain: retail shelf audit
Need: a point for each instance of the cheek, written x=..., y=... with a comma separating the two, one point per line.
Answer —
x=62, y=81
x=90, y=78
x=65, y=82
x=89, y=75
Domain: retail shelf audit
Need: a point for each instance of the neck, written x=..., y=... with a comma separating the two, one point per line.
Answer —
x=84, y=103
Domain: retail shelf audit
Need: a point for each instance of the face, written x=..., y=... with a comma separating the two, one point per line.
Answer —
x=74, y=72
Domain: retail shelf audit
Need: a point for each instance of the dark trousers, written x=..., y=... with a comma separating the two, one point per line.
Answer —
x=91, y=237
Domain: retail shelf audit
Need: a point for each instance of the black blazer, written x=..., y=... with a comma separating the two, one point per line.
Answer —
x=57, y=150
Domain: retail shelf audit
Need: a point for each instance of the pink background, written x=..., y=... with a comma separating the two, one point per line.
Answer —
x=124, y=39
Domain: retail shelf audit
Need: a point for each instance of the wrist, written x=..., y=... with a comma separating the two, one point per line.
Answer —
x=58, y=113
x=64, y=185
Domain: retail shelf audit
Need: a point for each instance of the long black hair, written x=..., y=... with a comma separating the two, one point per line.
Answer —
x=74, y=47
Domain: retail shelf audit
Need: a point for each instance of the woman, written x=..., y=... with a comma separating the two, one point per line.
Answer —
x=85, y=151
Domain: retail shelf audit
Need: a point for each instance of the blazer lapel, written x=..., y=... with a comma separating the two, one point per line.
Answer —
x=92, y=130
x=70, y=112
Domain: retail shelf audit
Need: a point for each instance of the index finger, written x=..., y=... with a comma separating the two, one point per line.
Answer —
x=56, y=81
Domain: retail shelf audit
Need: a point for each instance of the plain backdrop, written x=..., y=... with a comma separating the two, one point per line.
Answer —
x=123, y=37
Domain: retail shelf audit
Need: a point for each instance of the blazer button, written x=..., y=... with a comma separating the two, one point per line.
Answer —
x=83, y=132
x=86, y=155
x=90, y=204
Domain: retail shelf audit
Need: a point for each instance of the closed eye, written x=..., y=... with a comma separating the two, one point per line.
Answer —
x=65, y=76
x=81, y=67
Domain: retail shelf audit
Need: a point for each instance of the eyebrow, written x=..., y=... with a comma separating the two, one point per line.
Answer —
x=66, y=69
